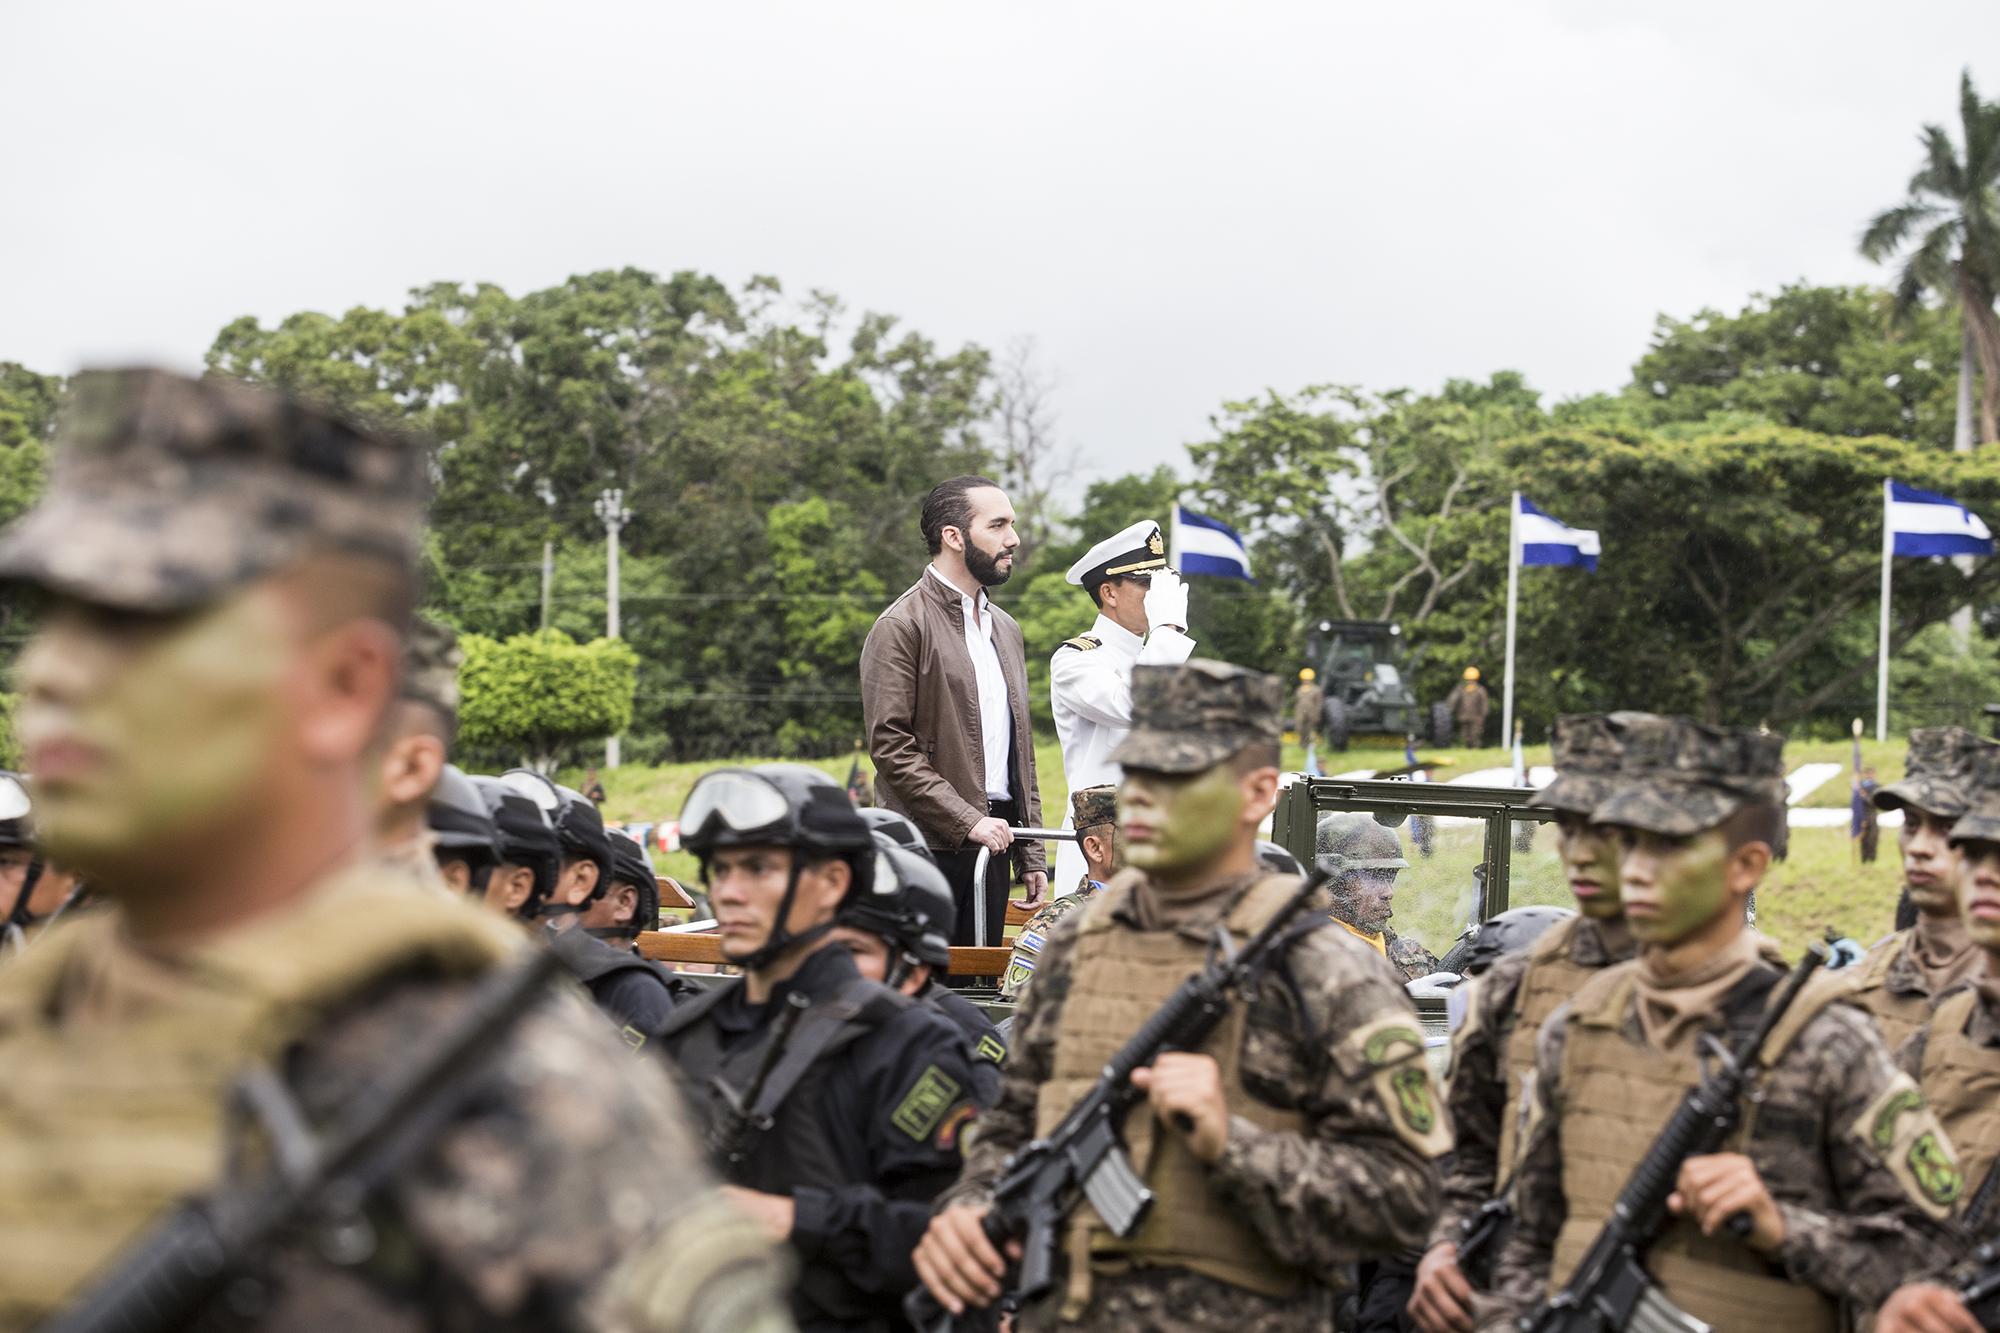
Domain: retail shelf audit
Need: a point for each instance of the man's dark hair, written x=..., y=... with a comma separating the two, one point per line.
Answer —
x=1756, y=821
x=947, y=507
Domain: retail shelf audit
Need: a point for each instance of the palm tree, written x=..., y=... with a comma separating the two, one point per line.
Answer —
x=1953, y=212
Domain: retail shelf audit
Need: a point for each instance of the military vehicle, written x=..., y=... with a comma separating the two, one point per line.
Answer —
x=1360, y=666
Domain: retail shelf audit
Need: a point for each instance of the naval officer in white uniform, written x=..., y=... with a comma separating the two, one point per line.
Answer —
x=1141, y=618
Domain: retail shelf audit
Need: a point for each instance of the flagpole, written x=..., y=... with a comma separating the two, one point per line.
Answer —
x=1513, y=601
x=1882, y=649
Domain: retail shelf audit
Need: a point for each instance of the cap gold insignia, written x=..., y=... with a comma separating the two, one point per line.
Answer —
x=1155, y=545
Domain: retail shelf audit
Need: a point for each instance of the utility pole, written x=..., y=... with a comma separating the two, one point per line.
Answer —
x=611, y=508
x=548, y=578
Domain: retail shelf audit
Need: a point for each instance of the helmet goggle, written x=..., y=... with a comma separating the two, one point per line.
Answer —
x=741, y=802
x=535, y=787
x=14, y=803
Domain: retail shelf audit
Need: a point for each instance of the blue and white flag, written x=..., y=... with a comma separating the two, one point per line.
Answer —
x=1927, y=524
x=1203, y=545
x=1544, y=541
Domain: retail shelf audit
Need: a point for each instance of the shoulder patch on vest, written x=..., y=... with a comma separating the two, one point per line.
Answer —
x=954, y=1122
x=923, y=1108
x=1083, y=643
x=1389, y=1055
x=990, y=1048
x=1903, y=1131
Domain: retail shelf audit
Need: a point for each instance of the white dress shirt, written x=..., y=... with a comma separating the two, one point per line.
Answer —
x=1090, y=691
x=996, y=719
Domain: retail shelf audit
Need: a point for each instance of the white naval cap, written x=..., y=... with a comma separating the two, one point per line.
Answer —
x=1139, y=549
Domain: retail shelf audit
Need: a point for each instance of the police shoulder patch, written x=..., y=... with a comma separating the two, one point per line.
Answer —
x=990, y=1048
x=923, y=1108
x=1904, y=1132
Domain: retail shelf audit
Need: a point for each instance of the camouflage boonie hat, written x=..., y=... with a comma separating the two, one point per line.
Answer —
x=166, y=492
x=1980, y=822
x=1587, y=751
x=431, y=659
x=1938, y=772
x=1093, y=806
x=1680, y=777
x=1193, y=716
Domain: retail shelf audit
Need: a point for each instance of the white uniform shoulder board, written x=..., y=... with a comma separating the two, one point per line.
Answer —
x=1083, y=643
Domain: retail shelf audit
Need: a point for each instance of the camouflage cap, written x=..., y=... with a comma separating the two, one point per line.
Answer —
x=166, y=492
x=1587, y=752
x=431, y=658
x=1979, y=821
x=1938, y=772
x=1093, y=806
x=1189, y=717
x=1680, y=777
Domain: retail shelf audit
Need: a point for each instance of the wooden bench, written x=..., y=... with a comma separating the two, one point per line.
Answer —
x=699, y=948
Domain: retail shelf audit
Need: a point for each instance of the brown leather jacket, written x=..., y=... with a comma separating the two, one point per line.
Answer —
x=920, y=701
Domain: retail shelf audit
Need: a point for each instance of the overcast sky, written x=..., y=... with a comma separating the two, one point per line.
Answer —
x=1182, y=202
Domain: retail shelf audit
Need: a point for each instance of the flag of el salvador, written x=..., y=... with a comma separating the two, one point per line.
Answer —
x=1203, y=545
x=1544, y=541
x=1927, y=524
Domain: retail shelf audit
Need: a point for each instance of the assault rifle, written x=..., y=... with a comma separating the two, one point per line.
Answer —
x=319, y=1184
x=1611, y=1289
x=1479, y=1238
x=1083, y=1157
x=1981, y=1289
x=728, y=1140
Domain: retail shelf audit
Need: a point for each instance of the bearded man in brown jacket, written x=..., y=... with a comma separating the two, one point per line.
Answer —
x=944, y=694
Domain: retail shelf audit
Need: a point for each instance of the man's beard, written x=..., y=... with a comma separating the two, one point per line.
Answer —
x=984, y=567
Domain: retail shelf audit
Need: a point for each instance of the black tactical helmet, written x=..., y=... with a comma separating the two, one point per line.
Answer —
x=630, y=865
x=1498, y=936
x=1276, y=860
x=527, y=838
x=578, y=826
x=909, y=904
x=459, y=821
x=778, y=805
x=17, y=830
x=900, y=828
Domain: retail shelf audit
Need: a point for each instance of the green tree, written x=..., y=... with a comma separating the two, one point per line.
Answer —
x=535, y=696
x=1953, y=214
x=829, y=602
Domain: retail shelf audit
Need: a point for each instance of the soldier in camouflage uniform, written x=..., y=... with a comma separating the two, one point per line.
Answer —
x=421, y=726
x=1838, y=1165
x=1302, y=1136
x=1094, y=815
x=1366, y=888
x=1905, y=974
x=228, y=572
x=1493, y=1051
x=1955, y=1058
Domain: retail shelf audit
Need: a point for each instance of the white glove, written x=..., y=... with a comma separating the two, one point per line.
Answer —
x=1166, y=601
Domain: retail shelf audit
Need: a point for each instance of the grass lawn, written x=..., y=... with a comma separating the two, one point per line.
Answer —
x=1818, y=885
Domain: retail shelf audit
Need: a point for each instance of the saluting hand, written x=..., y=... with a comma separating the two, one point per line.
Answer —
x=1186, y=1092
x=1715, y=1187
x=1925, y=1307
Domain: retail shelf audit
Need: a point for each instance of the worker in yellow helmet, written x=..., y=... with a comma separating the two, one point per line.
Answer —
x=1308, y=708
x=1469, y=702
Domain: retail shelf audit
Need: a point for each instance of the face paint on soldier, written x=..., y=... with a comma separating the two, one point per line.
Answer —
x=1979, y=892
x=1590, y=862
x=1680, y=890
x=1171, y=822
x=1930, y=870
x=147, y=733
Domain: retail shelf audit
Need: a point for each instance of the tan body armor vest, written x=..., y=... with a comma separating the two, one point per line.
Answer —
x=104, y=1128
x=1617, y=1096
x=1119, y=978
x=1896, y=1015
x=1961, y=1082
x=1550, y=979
